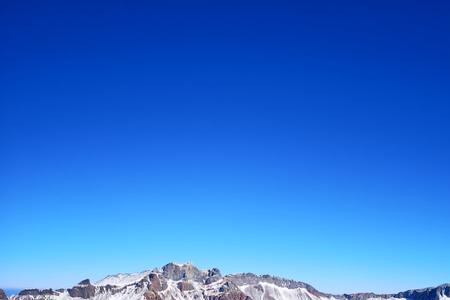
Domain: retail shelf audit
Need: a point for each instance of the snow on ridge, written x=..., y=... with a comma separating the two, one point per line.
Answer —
x=443, y=297
x=265, y=290
x=122, y=279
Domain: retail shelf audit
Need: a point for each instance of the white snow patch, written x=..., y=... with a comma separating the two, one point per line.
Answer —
x=122, y=279
x=265, y=291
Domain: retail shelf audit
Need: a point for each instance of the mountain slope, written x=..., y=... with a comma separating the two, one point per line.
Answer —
x=186, y=282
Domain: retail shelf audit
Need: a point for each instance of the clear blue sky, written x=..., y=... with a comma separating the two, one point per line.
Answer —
x=307, y=139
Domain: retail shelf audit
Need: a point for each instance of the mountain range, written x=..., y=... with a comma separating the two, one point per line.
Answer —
x=187, y=282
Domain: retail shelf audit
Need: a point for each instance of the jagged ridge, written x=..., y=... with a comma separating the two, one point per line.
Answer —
x=187, y=282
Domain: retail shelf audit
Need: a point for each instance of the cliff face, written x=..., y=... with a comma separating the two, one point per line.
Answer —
x=187, y=282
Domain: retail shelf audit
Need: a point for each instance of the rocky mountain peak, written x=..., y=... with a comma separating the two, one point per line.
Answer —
x=186, y=282
x=175, y=271
x=188, y=271
x=85, y=282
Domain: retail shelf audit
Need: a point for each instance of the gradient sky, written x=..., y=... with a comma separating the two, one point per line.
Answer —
x=306, y=139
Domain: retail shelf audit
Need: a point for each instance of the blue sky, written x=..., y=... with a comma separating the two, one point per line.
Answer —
x=306, y=139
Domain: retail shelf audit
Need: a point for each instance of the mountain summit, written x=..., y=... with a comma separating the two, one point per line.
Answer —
x=187, y=282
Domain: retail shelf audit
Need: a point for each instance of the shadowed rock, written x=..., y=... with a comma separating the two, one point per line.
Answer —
x=85, y=282
x=36, y=292
x=3, y=295
x=419, y=294
x=213, y=275
x=84, y=291
x=426, y=294
x=29, y=292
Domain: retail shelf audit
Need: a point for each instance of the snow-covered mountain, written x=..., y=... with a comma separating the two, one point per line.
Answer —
x=186, y=282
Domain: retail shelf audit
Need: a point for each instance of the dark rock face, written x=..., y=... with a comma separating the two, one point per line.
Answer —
x=36, y=292
x=420, y=294
x=82, y=291
x=363, y=296
x=213, y=276
x=29, y=292
x=48, y=292
x=85, y=282
x=3, y=295
x=426, y=294
x=214, y=272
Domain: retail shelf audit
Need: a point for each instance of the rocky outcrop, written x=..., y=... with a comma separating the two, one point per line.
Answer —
x=213, y=275
x=189, y=272
x=186, y=271
x=435, y=293
x=85, y=282
x=234, y=295
x=229, y=291
x=84, y=291
x=3, y=295
x=185, y=286
x=362, y=296
x=157, y=283
x=426, y=294
x=29, y=292
x=152, y=295
x=36, y=292
x=231, y=295
x=111, y=289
